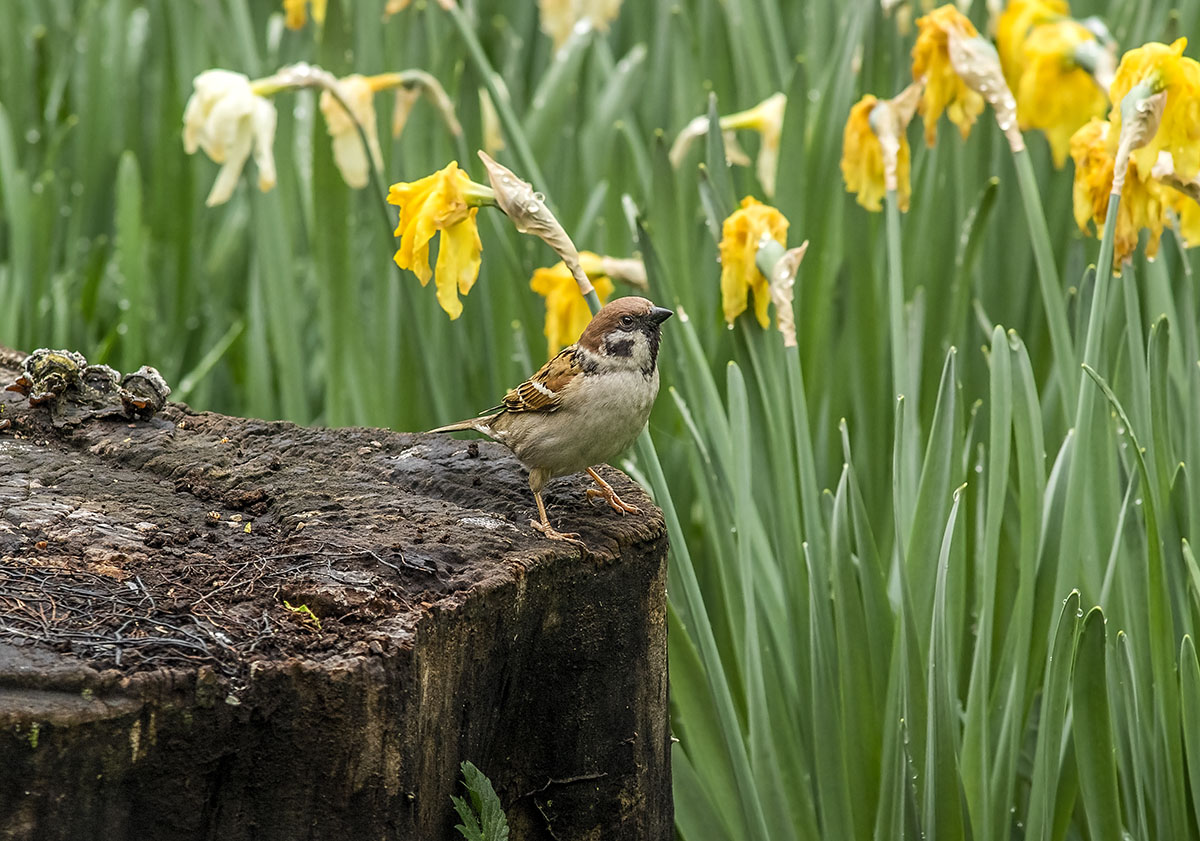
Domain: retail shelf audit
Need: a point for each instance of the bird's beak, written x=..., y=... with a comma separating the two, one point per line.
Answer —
x=660, y=314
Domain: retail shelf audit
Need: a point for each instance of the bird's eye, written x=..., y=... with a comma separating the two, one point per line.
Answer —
x=626, y=321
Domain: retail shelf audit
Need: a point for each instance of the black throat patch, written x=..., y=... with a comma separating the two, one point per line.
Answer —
x=653, y=338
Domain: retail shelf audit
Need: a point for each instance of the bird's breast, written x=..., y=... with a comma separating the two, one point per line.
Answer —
x=601, y=419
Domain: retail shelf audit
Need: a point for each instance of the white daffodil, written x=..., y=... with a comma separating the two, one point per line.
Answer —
x=358, y=94
x=228, y=120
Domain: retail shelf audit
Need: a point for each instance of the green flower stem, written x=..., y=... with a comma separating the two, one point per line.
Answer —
x=508, y=118
x=1139, y=382
x=1056, y=312
x=769, y=254
x=389, y=224
x=902, y=382
x=1073, y=524
x=1095, y=328
x=593, y=301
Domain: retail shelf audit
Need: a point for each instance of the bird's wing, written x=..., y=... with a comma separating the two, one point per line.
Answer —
x=543, y=391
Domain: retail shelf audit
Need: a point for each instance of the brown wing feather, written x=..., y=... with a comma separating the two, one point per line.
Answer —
x=543, y=391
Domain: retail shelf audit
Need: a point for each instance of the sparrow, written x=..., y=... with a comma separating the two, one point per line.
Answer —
x=584, y=407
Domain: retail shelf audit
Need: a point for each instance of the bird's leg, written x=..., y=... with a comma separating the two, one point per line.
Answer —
x=606, y=493
x=548, y=530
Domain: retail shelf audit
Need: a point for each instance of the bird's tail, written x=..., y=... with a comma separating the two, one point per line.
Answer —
x=481, y=424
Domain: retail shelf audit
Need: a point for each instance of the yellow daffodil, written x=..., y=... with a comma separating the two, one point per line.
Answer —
x=1143, y=200
x=1055, y=94
x=227, y=118
x=1164, y=68
x=740, y=238
x=559, y=18
x=1013, y=28
x=863, y=167
x=567, y=312
x=944, y=89
x=358, y=92
x=297, y=12
x=439, y=202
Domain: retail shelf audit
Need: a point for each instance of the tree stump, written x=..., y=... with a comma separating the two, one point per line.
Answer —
x=218, y=628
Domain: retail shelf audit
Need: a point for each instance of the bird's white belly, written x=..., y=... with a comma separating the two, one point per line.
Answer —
x=605, y=415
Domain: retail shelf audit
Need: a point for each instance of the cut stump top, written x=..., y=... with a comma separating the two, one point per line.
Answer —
x=193, y=559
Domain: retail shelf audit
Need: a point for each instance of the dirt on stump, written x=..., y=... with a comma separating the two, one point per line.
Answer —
x=218, y=628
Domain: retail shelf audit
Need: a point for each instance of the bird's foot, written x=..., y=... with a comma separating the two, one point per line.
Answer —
x=548, y=531
x=615, y=502
x=606, y=492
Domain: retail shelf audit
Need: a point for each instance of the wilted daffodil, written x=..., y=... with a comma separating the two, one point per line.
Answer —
x=567, y=312
x=944, y=88
x=445, y=201
x=1015, y=24
x=766, y=118
x=228, y=118
x=297, y=12
x=1162, y=68
x=1143, y=199
x=1054, y=93
x=875, y=132
x=741, y=235
x=358, y=93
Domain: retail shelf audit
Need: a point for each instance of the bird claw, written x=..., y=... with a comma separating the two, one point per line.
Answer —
x=551, y=533
x=615, y=502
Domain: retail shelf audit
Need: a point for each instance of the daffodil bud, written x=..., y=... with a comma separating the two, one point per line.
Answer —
x=530, y=215
x=782, y=285
x=1141, y=114
x=978, y=65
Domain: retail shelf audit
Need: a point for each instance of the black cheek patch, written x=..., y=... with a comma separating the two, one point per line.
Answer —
x=619, y=347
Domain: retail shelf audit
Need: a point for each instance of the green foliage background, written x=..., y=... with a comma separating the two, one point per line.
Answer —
x=845, y=663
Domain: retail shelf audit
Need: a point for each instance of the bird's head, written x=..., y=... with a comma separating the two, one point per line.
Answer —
x=626, y=334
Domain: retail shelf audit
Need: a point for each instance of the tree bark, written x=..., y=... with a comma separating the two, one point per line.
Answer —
x=218, y=628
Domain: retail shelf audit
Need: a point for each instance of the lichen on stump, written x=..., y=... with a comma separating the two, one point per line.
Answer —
x=222, y=628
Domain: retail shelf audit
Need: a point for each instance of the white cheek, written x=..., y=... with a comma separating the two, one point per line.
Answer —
x=641, y=350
